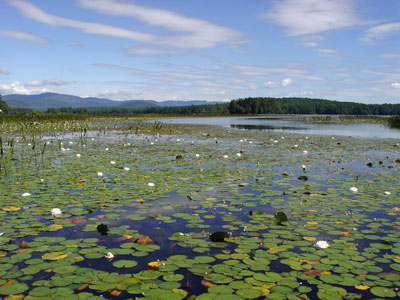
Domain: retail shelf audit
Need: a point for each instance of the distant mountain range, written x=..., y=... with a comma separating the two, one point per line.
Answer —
x=53, y=100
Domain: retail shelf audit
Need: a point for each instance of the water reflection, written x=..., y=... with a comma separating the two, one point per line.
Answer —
x=266, y=127
x=287, y=124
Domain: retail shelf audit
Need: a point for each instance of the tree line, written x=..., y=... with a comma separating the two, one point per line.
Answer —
x=261, y=105
x=255, y=105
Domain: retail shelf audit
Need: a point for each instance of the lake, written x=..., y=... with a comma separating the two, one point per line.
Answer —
x=286, y=124
x=189, y=212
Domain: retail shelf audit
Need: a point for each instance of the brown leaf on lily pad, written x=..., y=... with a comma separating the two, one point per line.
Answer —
x=10, y=282
x=23, y=245
x=144, y=240
x=15, y=297
x=82, y=287
x=206, y=283
x=115, y=293
x=315, y=273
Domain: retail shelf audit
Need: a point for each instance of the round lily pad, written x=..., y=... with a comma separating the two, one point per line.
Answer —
x=125, y=263
x=383, y=292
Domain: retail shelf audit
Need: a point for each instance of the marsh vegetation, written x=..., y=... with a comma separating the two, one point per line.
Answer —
x=128, y=209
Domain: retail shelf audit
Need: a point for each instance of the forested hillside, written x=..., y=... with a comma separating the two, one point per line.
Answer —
x=308, y=106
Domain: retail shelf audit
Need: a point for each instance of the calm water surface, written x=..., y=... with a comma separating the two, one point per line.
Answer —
x=285, y=124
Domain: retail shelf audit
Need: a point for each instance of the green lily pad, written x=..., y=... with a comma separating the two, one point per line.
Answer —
x=173, y=277
x=383, y=292
x=13, y=289
x=125, y=263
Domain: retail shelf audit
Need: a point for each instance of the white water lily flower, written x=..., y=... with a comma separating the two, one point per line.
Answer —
x=55, y=212
x=152, y=143
x=238, y=154
x=303, y=167
x=322, y=244
x=62, y=149
x=100, y=174
x=26, y=195
x=250, y=142
x=197, y=155
x=151, y=184
x=296, y=146
x=78, y=155
x=305, y=151
x=70, y=143
x=106, y=149
x=1, y=233
x=354, y=189
x=225, y=156
x=387, y=193
x=126, y=169
x=241, y=141
x=112, y=162
x=109, y=256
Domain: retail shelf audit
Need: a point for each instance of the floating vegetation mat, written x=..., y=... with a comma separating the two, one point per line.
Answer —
x=197, y=212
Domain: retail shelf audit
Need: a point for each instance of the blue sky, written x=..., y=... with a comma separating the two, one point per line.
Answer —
x=346, y=50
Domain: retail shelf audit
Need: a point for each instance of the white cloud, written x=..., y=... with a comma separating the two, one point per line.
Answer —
x=192, y=33
x=197, y=33
x=33, y=12
x=301, y=94
x=287, y=82
x=25, y=36
x=133, y=71
x=30, y=87
x=4, y=71
x=271, y=84
x=14, y=87
x=327, y=52
x=310, y=44
x=248, y=70
x=284, y=83
x=311, y=40
x=148, y=51
x=39, y=83
x=380, y=32
x=305, y=17
x=395, y=85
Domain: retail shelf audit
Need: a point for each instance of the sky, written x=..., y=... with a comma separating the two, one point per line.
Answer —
x=345, y=50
